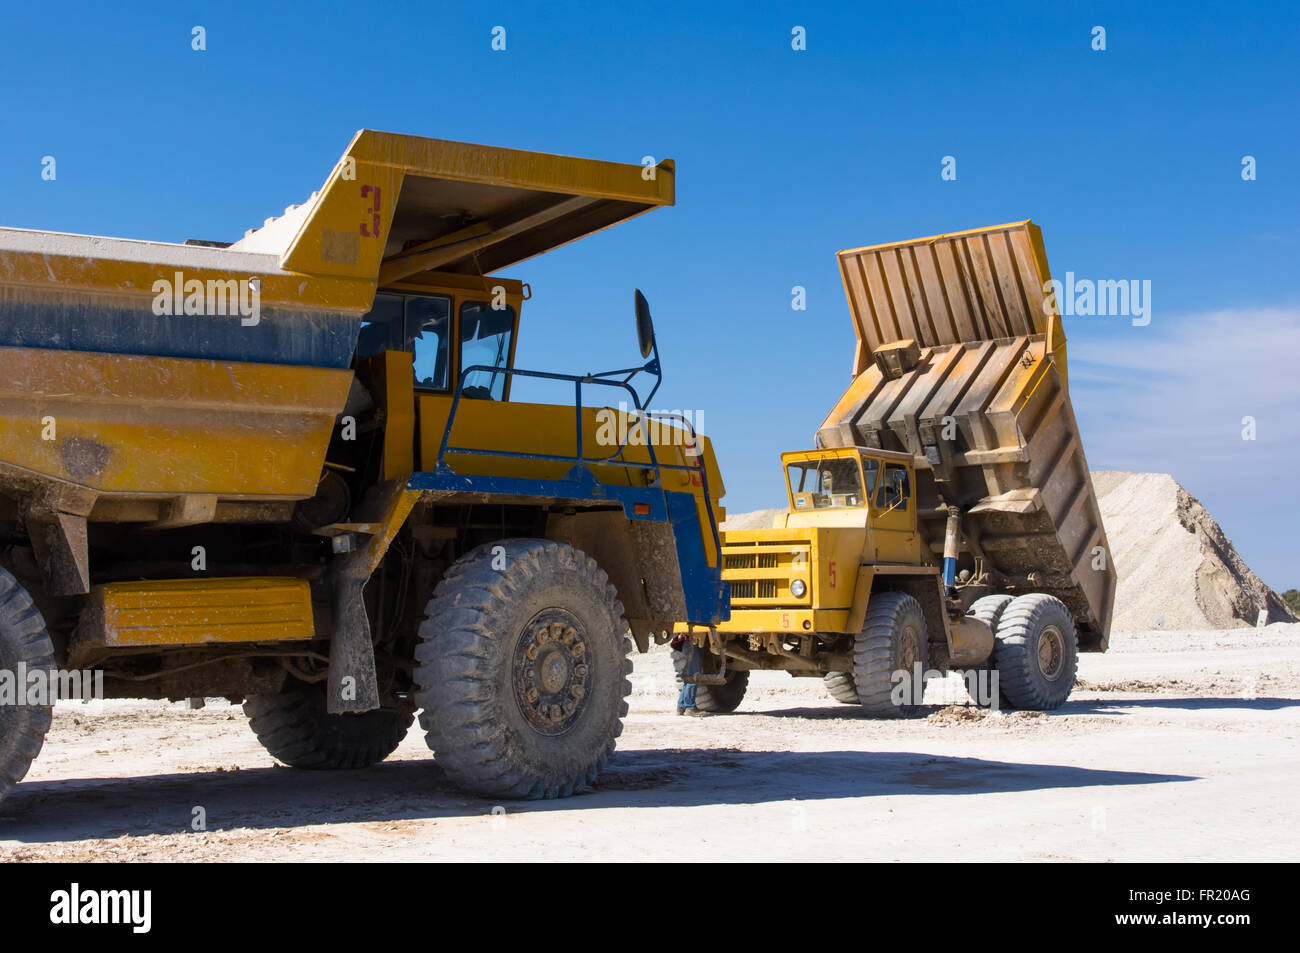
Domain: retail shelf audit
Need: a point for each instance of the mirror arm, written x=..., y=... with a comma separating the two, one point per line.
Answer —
x=652, y=367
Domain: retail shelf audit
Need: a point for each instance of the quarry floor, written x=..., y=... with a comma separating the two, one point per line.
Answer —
x=1175, y=746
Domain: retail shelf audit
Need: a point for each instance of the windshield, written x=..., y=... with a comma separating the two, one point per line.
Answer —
x=485, y=340
x=830, y=483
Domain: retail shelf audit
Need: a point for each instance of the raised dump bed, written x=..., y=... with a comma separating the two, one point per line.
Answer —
x=961, y=363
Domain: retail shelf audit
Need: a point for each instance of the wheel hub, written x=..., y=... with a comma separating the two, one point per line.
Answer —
x=551, y=671
x=1051, y=652
x=908, y=650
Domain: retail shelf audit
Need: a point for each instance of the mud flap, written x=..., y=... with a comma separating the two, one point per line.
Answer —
x=353, y=685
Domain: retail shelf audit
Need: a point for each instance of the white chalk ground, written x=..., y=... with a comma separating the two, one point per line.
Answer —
x=1176, y=746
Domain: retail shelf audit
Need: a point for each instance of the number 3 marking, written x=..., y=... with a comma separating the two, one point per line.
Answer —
x=374, y=207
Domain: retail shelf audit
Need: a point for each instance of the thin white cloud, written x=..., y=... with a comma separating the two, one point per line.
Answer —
x=1173, y=400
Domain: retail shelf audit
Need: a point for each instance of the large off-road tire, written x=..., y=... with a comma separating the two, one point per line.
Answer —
x=295, y=727
x=893, y=639
x=522, y=670
x=988, y=609
x=1036, y=653
x=842, y=687
x=715, y=699
x=23, y=641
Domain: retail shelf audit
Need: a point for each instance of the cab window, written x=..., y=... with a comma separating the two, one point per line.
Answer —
x=381, y=328
x=870, y=474
x=829, y=483
x=485, y=342
x=420, y=324
x=428, y=324
x=895, y=489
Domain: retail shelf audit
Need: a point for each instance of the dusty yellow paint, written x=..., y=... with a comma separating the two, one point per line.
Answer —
x=156, y=425
x=390, y=375
x=761, y=565
x=80, y=281
x=861, y=597
x=175, y=612
x=825, y=558
x=347, y=231
x=916, y=291
x=528, y=428
x=338, y=255
x=792, y=620
x=552, y=429
x=397, y=507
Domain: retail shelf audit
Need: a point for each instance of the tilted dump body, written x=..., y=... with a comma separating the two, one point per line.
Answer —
x=961, y=363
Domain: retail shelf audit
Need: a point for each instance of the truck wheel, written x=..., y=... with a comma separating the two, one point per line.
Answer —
x=988, y=609
x=842, y=687
x=23, y=641
x=892, y=639
x=715, y=699
x=295, y=728
x=522, y=670
x=1036, y=653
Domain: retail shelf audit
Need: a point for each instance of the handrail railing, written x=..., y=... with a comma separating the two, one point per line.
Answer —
x=579, y=459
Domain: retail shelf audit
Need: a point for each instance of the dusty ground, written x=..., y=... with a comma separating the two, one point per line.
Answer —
x=1176, y=746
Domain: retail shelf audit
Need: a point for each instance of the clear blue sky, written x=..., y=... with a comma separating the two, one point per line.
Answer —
x=1129, y=159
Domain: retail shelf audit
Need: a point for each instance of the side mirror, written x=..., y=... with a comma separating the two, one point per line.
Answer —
x=645, y=327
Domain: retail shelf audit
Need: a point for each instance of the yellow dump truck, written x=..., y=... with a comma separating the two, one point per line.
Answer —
x=288, y=470
x=946, y=519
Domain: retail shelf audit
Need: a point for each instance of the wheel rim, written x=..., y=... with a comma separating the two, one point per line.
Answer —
x=908, y=650
x=1051, y=652
x=552, y=671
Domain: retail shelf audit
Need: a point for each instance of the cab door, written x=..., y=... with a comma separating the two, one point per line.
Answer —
x=893, y=513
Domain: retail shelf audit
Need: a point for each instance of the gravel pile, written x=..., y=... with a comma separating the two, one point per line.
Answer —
x=755, y=519
x=1177, y=569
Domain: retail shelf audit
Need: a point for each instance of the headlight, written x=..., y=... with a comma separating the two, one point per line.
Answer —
x=797, y=588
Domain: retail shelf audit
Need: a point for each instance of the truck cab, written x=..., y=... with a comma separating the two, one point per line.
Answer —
x=856, y=484
x=447, y=323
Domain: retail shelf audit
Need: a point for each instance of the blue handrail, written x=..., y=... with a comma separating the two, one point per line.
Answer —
x=580, y=460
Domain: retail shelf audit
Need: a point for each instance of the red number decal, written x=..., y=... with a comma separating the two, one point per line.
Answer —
x=831, y=567
x=374, y=207
x=785, y=620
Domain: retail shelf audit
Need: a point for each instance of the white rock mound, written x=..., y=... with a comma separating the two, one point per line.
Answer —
x=1177, y=569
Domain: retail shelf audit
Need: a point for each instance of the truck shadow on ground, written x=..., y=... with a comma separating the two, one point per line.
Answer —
x=1107, y=706
x=274, y=797
x=1099, y=706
